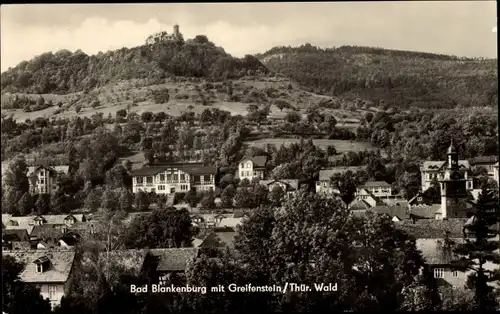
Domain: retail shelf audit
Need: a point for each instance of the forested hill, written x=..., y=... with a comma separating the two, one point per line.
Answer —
x=398, y=78
x=66, y=72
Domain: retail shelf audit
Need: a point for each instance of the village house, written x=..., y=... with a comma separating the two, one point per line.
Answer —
x=252, y=167
x=169, y=265
x=43, y=179
x=51, y=271
x=485, y=162
x=377, y=188
x=173, y=178
x=289, y=186
x=15, y=239
x=219, y=238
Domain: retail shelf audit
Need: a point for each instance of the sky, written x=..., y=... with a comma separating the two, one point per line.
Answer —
x=462, y=28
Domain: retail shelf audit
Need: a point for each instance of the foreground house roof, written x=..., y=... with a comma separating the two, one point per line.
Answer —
x=61, y=263
x=431, y=228
x=19, y=235
x=425, y=211
x=174, y=259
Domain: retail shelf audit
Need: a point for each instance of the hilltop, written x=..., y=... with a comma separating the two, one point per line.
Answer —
x=66, y=72
x=403, y=79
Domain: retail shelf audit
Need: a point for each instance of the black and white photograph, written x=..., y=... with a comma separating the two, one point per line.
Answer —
x=237, y=157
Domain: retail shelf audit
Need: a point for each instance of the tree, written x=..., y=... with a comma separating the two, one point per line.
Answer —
x=109, y=199
x=141, y=201
x=293, y=117
x=125, y=199
x=208, y=200
x=227, y=196
x=162, y=229
x=346, y=183
x=19, y=297
x=192, y=198
x=93, y=199
x=16, y=175
x=479, y=249
x=277, y=195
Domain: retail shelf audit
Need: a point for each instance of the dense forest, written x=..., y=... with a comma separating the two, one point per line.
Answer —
x=402, y=79
x=66, y=72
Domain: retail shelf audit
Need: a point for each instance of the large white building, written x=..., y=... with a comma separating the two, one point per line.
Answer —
x=173, y=178
x=435, y=170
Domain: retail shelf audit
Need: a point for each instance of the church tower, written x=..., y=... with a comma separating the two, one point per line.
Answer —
x=454, y=197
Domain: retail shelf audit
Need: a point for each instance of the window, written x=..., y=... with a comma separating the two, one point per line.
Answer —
x=455, y=274
x=162, y=177
x=183, y=177
x=176, y=177
x=149, y=180
x=249, y=165
x=169, y=177
x=52, y=292
x=39, y=268
x=438, y=272
x=206, y=178
x=42, y=189
x=242, y=166
x=197, y=179
x=42, y=173
x=42, y=181
x=139, y=180
x=419, y=198
x=161, y=187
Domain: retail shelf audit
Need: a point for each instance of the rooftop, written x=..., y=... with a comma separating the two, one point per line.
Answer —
x=194, y=169
x=425, y=211
x=174, y=259
x=431, y=228
x=373, y=184
x=61, y=262
x=432, y=165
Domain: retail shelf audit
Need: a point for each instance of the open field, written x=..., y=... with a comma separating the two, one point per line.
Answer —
x=341, y=146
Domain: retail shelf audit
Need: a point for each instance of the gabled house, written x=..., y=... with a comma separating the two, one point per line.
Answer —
x=15, y=239
x=220, y=238
x=170, y=264
x=252, y=167
x=486, y=162
x=367, y=197
x=289, y=186
x=173, y=178
x=377, y=188
x=43, y=179
x=51, y=271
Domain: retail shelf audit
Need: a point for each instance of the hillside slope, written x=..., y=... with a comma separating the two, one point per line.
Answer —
x=398, y=78
x=66, y=72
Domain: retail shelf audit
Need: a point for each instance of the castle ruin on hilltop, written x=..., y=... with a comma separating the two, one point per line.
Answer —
x=164, y=36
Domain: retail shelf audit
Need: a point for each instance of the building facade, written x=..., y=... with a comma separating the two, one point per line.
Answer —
x=43, y=180
x=377, y=188
x=433, y=171
x=174, y=178
x=252, y=167
x=495, y=173
x=51, y=271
